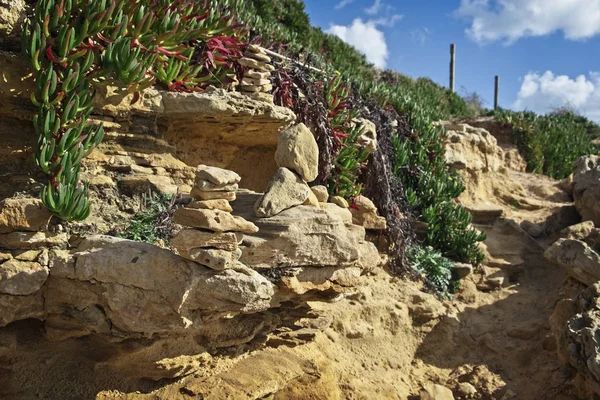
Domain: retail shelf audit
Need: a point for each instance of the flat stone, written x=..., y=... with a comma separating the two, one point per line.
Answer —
x=258, y=56
x=28, y=255
x=462, y=270
x=297, y=150
x=188, y=239
x=254, y=82
x=255, y=49
x=321, y=192
x=32, y=240
x=207, y=186
x=23, y=215
x=21, y=278
x=285, y=190
x=213, y=220
x=253, y=74
x=143, y=183
x=216, y=259
x=255, y=64
x=204, y=195
x=216, y=204
x=257, y=88
x=218, y=176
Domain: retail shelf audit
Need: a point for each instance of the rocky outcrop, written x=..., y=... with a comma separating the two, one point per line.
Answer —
x=586, y=188
x=577, y=259
x=256, y=83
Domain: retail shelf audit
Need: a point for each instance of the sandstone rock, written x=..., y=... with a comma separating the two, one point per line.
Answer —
x=364, y=213
x=285, y=190
x=12, y=16
x=255, y=64
x=297, y=150
x=21, y=278
x=188, y=239
x=260, y=56
x=247, y=81
x=23, y=215
x=17, y=308
x=321, y=192
x=5, y=257
x=343, y=213
x=216, y=259
x=216, y=204
x=112, y=100
x=532, y=229
x=218, y=176
x=207, y=186
x=303, y=236
x=253, y=48
x=432, y=391
x=368, y=137
x=204, y=195
x=586, y=188
x=462, y=270
x=576, y=258
x=213, y=220
x=339, y=201
x=140, y=184
x=32, y=240
x=567, y=184
x=312, y=200
x=257, y=88
x=578, y=232
x=28, y=255
x=253, y=74
x=268, y=97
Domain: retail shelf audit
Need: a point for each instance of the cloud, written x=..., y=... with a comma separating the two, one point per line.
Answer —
x=343, y=4
x=366, y=38
x=388, y=22
x=511, y=20
x=375, y=8
x=545, y=92
x=420, y=35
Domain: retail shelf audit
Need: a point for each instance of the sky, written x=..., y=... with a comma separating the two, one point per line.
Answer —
x=546, y=52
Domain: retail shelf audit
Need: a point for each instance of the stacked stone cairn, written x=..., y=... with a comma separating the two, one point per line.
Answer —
x=297, y=157
x=255, y=82
x=213, y=233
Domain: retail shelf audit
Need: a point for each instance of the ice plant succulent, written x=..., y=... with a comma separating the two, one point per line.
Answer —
x=73, y=44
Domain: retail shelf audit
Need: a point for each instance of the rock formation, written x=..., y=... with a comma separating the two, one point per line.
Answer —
x=256, y=83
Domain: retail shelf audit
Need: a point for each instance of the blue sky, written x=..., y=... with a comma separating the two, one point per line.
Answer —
x=546, y=52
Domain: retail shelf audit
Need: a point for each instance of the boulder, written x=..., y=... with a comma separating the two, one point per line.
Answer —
x=297, y=150
x=321, y=192
x=285, y=190
x=364, y=213
x=188, y=239
x=212, y=220
x=218, y=176
x=207, y=186
x=23, y=214
x=303, y=236
x=216, y=259
x=431, y=391
x=578, y=260
x=578, y=232
x=21, y=278
x=216, y=204
x=586, y=188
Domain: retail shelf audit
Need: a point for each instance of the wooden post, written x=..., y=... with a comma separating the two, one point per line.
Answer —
x=452, y=65
x=496, y=92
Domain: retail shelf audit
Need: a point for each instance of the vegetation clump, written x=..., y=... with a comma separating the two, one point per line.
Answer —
x=153, y=221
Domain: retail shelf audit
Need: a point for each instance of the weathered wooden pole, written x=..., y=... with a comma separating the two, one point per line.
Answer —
x=496, y=92
x=452, y=65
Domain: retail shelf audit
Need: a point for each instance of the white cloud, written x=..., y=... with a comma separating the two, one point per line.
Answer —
x=375, y=8
x=366, y=38
x=389, y=21
x=420, y=35
x=511, y=20
x=545, y=92
x=343, y=4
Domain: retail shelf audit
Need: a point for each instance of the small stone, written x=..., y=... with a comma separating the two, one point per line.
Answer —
x=207, y=186
x=297, y=150
x=257, y=88
x=343, y=213
x=258, y=56
x=214, y=258
x=28, y=255
x=462, y=270
x=254, y=82
x=21, y=278
x=203, y=195
x=466, y=389
x=188, y=239
x=253, y=74
x=218, y=176
x=432, y=391
x=339, y=201
x=285, y=190
x=321, y=192
x=213, y=220
x=216, y=204
x=253, y=48
x=364, y=213
x=23, y=215
x=255, y=64
x=312, y=200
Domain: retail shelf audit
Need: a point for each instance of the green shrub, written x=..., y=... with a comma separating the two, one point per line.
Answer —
x=153, y=221
x=551, y=143
x=436, y=269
